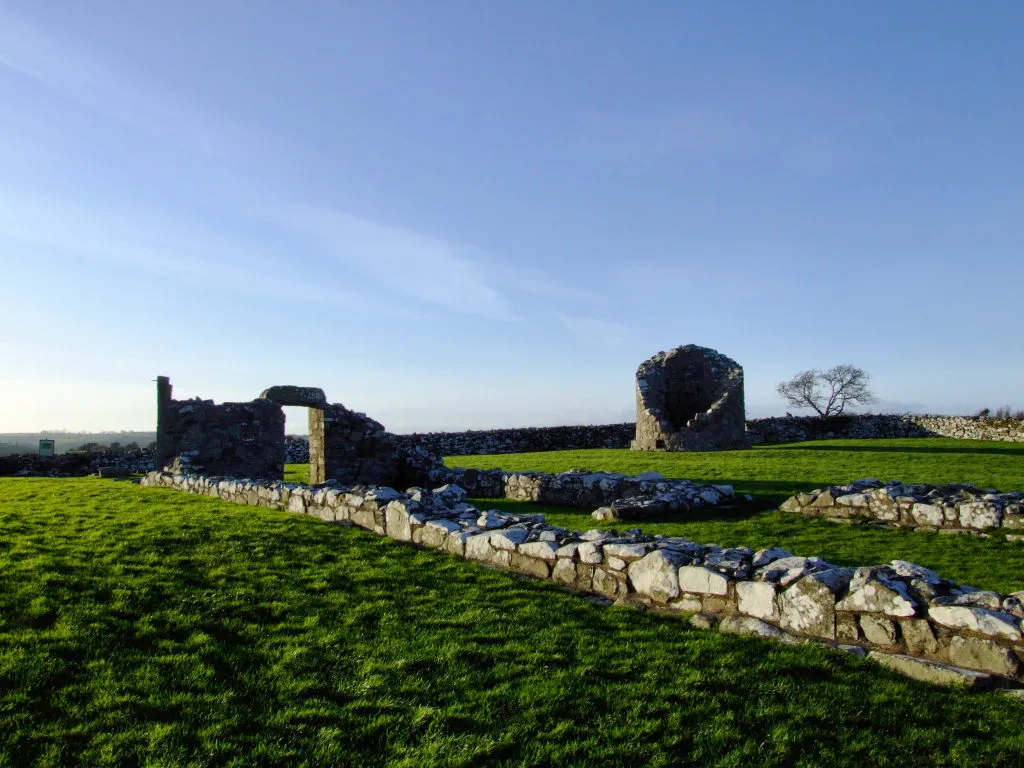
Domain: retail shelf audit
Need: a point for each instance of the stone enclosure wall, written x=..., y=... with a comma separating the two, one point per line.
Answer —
x=943, y=509
x=105, y=462
x=759, y=431
x=793, y=429
x=780, y=429
x=900, y=614
x=524, y=439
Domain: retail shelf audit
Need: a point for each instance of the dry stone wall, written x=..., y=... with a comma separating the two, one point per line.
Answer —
x=106, y=462
x=793, y=429
x=899, y=613
x=227, y=439
x=944, y=509
x=770, y=430
x=523, y=440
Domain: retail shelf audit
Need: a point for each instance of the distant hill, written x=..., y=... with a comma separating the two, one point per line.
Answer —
x=28, y=442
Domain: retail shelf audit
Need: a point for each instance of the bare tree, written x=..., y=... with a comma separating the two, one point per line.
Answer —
x=828, y=392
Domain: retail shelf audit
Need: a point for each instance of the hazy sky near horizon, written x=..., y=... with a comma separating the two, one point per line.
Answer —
x=463, y=214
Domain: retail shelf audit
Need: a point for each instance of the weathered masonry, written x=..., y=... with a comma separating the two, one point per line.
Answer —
x=689, y=399
x=956, y=508
x=247, y=439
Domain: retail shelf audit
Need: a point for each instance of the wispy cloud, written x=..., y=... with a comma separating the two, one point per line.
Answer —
x=147, y=241
x=593, y=330
x=533, y=281
x=434, y=270
x=87, y=79
x=410, y=263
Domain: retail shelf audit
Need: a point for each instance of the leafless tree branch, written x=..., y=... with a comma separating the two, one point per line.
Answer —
x=828, y=392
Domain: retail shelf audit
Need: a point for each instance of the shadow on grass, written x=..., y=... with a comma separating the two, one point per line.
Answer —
x=942, y=449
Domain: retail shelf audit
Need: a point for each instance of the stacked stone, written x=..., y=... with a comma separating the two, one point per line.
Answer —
x=795, y=429
x=620, y=497
x=523, y=440
x=118, y=462
x=953, y=508
x=689, y=399
x=296, y=449
x=904, y=614
x=791, y=429
x=229, y=439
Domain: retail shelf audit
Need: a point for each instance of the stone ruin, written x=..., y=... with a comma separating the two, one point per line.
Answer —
x=247, y=439
x=689, y=399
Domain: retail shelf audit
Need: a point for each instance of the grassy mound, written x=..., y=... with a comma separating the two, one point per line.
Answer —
x=145, y=626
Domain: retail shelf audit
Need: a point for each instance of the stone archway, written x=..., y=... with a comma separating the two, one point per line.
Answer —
x=314, y=399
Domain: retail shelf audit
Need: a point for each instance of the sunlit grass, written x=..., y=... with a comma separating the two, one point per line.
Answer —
x=143, y=626
x=772, y=473
x=776, y=471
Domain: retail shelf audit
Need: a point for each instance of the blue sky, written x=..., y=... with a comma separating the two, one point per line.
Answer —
x=463, y=214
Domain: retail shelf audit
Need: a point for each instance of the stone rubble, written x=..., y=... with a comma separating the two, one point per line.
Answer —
x=953, y=508
x=904, y=614
x=617, y=496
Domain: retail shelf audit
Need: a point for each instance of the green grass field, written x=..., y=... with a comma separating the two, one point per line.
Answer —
x=775, y=472
x=143, y=626
x=772, y=473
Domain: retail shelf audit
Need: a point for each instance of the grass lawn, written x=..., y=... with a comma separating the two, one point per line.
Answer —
x=772, y=473
x=775, y=472
x=143, y=626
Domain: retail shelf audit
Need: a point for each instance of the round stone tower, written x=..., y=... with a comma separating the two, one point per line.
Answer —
x=690, y=399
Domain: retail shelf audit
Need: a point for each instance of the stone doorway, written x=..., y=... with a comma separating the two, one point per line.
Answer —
x=315, y=401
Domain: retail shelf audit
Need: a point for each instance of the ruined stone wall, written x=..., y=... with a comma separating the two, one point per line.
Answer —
x=240, y=439
x=769, y=430
x=247, y=439
x=620, y=497
x=351, y=448
x=900, y=614
x=689, y=399
x=935, y=508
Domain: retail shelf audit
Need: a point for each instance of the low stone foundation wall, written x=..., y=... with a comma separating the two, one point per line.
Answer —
x=944, y=509
x=620, y=497
x=901, y=614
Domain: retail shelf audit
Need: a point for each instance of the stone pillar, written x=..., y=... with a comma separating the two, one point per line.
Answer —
x=163, y=404
x=317, y=466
